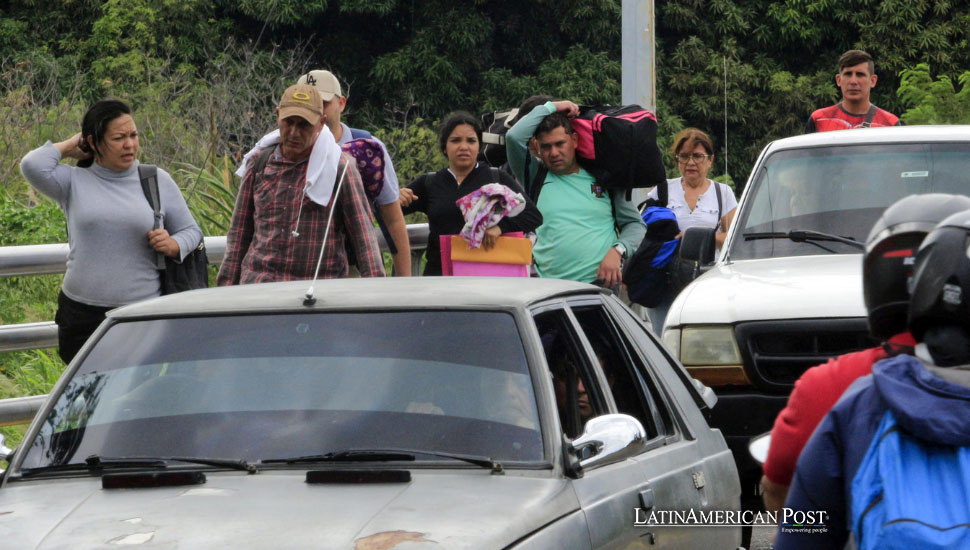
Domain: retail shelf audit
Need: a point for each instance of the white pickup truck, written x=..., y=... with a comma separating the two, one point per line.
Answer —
x=786, y=290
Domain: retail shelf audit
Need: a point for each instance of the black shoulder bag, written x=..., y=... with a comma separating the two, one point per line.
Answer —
x=192, y=273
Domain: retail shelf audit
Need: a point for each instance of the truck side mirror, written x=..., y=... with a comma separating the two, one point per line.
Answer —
x=698, y=245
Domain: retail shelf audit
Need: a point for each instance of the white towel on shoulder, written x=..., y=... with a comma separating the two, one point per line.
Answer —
x=321, y=172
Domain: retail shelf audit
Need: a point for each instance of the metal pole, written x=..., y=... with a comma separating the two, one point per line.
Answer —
x=639, y=70
x=639, y=80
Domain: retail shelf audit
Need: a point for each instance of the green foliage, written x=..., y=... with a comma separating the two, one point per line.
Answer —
x=26, y=219
x=279, y=12
x=933, y=101
x=25, y=373
x=213, y=198
x=581, y=75
x=414, y=149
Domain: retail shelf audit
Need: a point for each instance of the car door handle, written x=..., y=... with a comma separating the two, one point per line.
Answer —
x=646, y=498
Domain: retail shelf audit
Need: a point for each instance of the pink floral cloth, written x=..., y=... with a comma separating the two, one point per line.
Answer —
x=485, y=207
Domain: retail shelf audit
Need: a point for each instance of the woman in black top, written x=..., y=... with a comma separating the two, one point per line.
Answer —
x=436, y=193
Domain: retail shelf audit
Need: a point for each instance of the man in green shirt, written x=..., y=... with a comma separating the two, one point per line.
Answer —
x=578, y=237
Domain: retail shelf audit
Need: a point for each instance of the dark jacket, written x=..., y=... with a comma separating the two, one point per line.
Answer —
x=924, y=404
x=437, y=193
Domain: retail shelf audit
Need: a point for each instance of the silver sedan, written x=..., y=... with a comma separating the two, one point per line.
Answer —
x=397, y=413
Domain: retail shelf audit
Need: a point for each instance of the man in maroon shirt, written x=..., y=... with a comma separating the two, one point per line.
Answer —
x=856, y=78
x=277, y=231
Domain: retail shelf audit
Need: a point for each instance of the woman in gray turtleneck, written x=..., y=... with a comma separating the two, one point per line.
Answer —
x=112, y=244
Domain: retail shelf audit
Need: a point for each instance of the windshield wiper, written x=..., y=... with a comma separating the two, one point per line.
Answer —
x=382, y=455
x=95, y=462
x=804, y=236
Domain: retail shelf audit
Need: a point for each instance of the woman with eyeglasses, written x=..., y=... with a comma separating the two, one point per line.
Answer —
x=694, y=199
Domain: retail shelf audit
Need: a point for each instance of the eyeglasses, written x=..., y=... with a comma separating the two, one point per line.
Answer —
x=684, y=158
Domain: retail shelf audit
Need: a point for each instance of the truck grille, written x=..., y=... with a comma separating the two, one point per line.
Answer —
x=776, y=353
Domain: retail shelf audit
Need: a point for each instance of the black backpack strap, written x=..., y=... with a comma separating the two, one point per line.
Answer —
x=148, y=174
x=537, y=182
x=720, y=204
x=867, y=123
x=525, y=172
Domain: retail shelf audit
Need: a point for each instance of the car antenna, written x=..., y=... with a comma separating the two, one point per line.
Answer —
x=309, y=300
x=724, y=58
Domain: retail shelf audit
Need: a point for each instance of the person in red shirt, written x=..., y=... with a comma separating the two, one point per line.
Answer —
x=856, y=78
x=886, y=268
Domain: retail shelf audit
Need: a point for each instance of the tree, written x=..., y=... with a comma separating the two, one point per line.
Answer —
x=933, y=101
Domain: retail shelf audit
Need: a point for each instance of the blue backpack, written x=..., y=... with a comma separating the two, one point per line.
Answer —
x=909, y=493
x=646, y=273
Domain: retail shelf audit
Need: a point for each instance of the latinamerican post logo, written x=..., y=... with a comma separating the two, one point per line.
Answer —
x=792, y=521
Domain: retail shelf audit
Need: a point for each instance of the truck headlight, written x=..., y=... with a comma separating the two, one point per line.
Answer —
x=671, y=340
x=712, y=345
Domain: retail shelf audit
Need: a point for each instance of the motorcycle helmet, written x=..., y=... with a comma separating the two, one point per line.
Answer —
x=941, y=278
x=890, y=255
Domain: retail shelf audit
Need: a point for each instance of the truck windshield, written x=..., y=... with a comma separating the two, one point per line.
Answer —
x=839, y=191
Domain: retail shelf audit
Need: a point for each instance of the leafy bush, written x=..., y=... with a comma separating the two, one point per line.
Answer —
x=933, y=101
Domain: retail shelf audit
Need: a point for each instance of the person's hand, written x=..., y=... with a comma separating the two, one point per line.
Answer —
x=161, y=241
x=72, y=147
x=567, y=108
x=609, y=271
x=407, y=197
x=491, y=234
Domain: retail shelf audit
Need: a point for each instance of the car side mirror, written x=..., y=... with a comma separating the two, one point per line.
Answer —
x=5, y=451
x=707, y=394
x=698, y=245
x=609, y=438
x=758, y=447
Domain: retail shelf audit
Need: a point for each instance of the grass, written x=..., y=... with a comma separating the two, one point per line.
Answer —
x=24, y=373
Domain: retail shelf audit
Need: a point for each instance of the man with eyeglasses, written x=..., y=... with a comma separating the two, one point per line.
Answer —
x=856, y=78
x=578, y=239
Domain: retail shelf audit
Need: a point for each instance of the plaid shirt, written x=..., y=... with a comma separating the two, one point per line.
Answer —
x=260, y=246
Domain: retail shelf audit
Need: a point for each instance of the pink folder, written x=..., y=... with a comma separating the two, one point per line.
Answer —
x=478, y=269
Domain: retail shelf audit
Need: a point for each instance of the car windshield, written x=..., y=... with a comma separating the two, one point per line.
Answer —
x=259, y=387
x=839, y=191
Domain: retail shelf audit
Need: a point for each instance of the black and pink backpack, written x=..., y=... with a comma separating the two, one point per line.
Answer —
x=618, y=146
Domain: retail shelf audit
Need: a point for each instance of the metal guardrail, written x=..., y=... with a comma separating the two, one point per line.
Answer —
x=44, y=259
x=28, y=336
x=20, y=410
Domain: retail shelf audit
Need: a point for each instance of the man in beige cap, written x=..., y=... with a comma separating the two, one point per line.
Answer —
x=278, y=227
x=334, y=103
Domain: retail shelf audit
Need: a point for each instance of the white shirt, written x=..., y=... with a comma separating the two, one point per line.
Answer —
x=705, y=211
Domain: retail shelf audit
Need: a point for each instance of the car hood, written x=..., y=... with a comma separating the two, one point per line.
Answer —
x=467, y=509
x=797, y=287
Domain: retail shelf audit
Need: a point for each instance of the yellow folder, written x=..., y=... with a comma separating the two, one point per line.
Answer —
x=507, y=250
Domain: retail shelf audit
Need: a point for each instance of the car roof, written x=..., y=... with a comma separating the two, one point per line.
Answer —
x=370, y=293
x=894, y=134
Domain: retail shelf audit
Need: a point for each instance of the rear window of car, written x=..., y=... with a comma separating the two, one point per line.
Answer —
x=840, y=190
x=271, y=386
